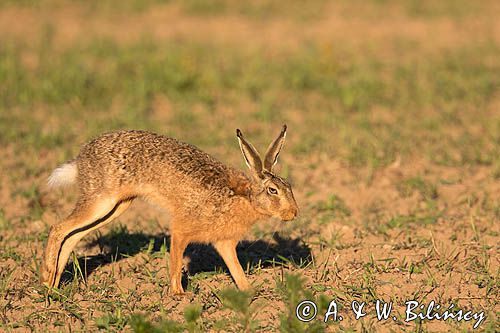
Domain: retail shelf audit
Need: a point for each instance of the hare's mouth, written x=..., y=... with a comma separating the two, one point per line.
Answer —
x=289, y=215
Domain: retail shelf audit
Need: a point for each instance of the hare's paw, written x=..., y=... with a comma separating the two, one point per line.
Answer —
x=48, y=276
x=176, y=292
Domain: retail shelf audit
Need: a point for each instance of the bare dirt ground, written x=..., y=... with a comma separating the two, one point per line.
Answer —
x=409, y=229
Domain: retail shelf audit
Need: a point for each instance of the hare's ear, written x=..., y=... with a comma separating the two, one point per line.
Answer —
x=274, y=150
x=252, y=157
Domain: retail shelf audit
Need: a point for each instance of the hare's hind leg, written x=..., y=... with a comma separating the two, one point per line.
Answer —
x=86, y=217
x=227, y=250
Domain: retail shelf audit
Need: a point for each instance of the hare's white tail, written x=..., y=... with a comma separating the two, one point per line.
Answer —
x=63, y=175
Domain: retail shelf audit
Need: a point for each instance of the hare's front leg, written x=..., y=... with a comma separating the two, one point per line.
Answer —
x=227, y=250
x=178, y=244
x=88, y=215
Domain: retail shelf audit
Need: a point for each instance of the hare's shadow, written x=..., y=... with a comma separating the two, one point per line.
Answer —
x=120, y=244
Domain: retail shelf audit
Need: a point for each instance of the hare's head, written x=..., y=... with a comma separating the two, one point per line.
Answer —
x=270, y=194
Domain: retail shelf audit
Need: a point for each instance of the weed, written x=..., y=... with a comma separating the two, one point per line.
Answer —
x=192, y=314
x=333, y=208
x=294, y=292
x=4, y=223
x=242, y=304
x=426, y=190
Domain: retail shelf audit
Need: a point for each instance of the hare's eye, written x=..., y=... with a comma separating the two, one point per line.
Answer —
x=272, y=190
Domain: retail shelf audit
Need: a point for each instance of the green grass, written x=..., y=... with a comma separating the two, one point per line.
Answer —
x=332, y=208
x=87, y=79
x=261, y=10
x=426, y=190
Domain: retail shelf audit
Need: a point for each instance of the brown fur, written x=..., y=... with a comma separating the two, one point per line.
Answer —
x=208, y=201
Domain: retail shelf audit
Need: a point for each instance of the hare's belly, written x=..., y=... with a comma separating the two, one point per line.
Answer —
x=209, y=231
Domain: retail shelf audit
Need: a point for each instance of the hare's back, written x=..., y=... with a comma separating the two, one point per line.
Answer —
x=144, y=156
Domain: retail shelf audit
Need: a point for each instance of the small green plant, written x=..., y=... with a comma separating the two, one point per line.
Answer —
x=111, y=321
x=32, y=194
x=140, y=324
x=427, y=190
x=4, y=223
x=294, y=292
x=402, y=221
x=332, y=208
x=241, y=303
x=5, y=279
x=192, y=314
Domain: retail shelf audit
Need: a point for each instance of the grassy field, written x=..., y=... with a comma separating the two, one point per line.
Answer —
x=393, y=110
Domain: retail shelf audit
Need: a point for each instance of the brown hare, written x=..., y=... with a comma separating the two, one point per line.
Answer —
x=208, y=201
